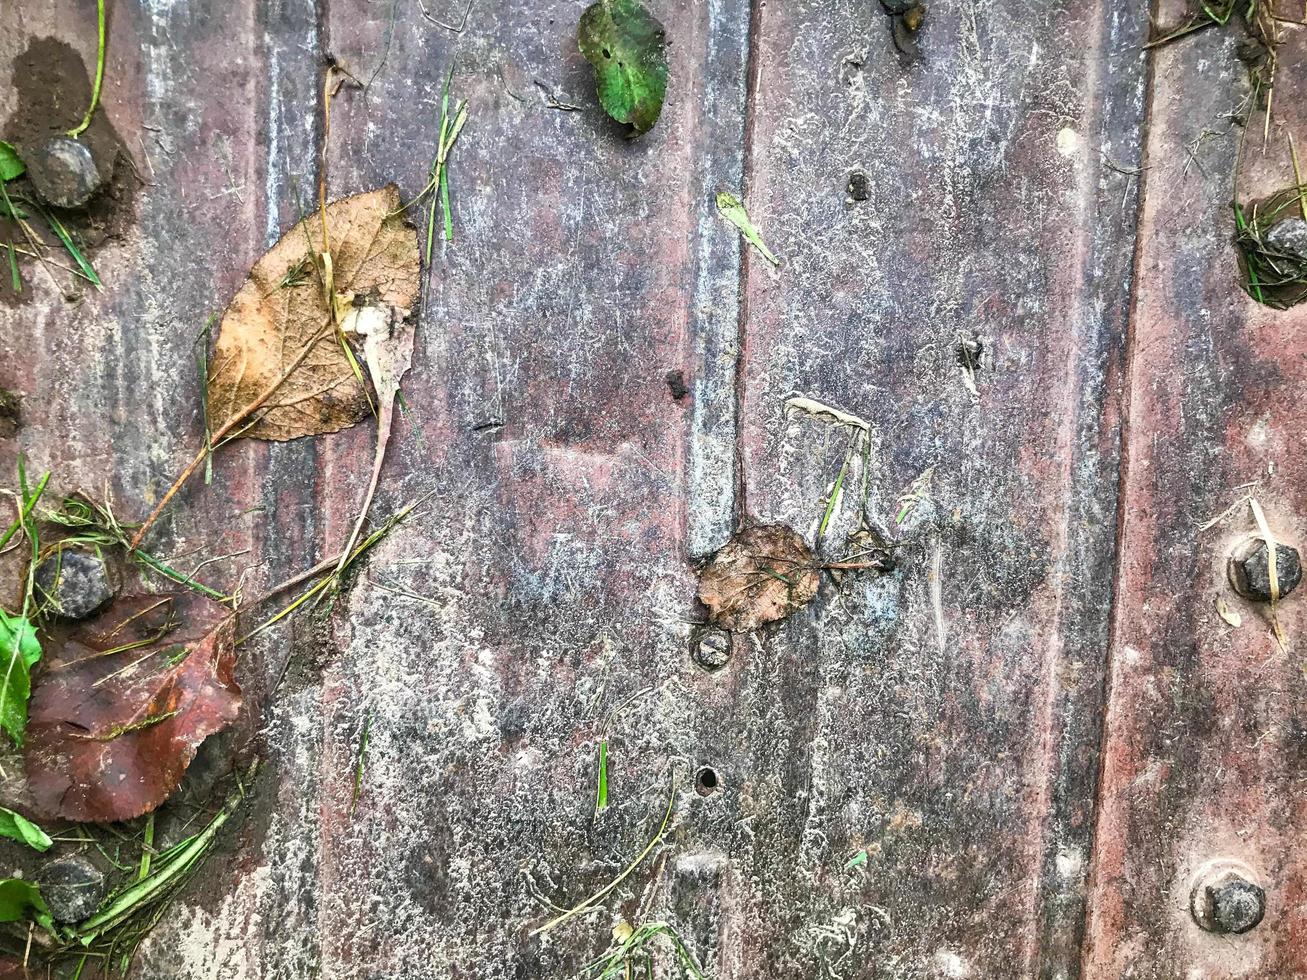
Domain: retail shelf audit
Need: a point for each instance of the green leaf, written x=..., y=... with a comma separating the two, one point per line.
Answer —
x=17, y=827
x=18, y=898
x=11, y=165
x=19, y=650
x=628, y=48
x=732, y=209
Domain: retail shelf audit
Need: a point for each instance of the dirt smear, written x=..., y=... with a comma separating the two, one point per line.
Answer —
x=54, y=89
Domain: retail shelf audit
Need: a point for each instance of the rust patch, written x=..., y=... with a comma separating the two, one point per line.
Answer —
x=54, y=89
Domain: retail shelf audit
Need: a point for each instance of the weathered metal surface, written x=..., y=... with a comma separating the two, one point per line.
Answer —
x=1204, y=744
x=945, y=718
x=956, y=738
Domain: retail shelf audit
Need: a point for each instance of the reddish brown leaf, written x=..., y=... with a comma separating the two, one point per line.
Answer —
x=124, y=702
x=763, y=574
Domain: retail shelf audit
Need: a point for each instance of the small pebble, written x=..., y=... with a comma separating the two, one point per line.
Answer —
x=73, y=888
x=73, y=583
x=859, y=185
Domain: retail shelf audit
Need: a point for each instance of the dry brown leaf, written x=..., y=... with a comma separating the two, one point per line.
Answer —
x=1226, y=613
x=124, y=701
x=279, y=324
x=388, y=350
x=763, y=574
x=279, y=369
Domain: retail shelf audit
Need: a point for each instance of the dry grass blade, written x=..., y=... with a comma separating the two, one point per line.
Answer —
x=626, y=872
x=1271, y=571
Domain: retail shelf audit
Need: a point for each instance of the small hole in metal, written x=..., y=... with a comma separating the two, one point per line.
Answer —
x=706, y=782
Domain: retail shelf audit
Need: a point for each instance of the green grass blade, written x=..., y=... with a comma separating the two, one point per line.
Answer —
x=601, y=796
x=62, y=233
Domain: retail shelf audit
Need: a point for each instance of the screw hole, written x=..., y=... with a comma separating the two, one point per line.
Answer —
x=706, y=782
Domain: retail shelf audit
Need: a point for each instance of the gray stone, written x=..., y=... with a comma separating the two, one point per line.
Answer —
x=73, y=888
x=73, y=583
x=1288, y=236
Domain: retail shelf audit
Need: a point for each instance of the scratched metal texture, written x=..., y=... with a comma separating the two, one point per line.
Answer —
x=1206, y=733
x=948, y=718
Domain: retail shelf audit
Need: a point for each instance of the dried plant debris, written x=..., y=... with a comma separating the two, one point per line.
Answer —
x=124, y=702
x=631, y=954
x=1271, y=238
x=627, y=46
x=283, y=366
x=1258, y=50
x=762, y=575
x=907, y=18
x=277, y=336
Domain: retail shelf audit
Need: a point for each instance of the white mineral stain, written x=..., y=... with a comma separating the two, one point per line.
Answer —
x=1068, y=142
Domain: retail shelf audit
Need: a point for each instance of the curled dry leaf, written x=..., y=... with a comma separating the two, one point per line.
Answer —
x=763, y=574
x=279, y=326
x=388, y=351
x=125, y=701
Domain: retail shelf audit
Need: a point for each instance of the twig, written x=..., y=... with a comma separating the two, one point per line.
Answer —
x=227, y=427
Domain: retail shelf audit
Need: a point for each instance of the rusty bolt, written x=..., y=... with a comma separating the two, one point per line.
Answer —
x=712, y=649
x=72, y=887
x=1226, y=902
x=63, y=172
x=1252, y=578
x=73, y=583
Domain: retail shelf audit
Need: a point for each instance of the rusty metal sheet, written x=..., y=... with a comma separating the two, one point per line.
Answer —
x=905, y=773
x=944, y=717
x=1203, y=748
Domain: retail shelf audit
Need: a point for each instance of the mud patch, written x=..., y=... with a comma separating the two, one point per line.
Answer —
x=54, y=89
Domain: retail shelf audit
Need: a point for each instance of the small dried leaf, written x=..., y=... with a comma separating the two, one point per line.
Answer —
x=913, y=495
x=125, y=701
x=763, y=574
x=1229, y=615
x=280, y=312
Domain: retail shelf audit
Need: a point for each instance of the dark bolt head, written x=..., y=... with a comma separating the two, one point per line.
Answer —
x=73, y=888
x=1251, y=575
x=1225, y=901
x=859, y=185
x=63, y=172
x=1237, y=905
x=712, y=648
x=74, y=584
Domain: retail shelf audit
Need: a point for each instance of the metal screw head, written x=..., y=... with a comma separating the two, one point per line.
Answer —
x=72, y=887
x=73, y=583
x=859, y=186
x=1251, y=576
x=1225, y=901
x=63, y=172
x=1289, y=236
x=712, y=648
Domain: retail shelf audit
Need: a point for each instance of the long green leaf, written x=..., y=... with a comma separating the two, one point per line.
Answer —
x=17, y=827
x=19, y=650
